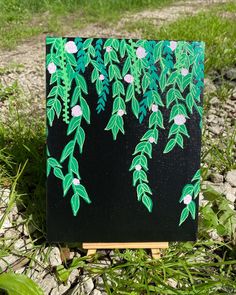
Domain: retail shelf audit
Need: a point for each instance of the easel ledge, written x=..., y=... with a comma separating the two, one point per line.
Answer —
x=154, y=246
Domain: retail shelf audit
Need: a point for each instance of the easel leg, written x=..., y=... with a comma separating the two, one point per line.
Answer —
x=91, y=252
x=156, y=254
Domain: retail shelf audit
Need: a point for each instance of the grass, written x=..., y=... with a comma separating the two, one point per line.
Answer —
x=21, y=20
x=204, y=267
x=218, y=32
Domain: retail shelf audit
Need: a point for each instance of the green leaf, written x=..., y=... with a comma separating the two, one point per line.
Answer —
x=57, y=107
x=179, y=140
x=145, y=82
x=135, y=107
x=187, y=190
x=80, y=189
x=53, y=162
x=184, y=215
x=126, y=66
x=144, y=147
x=94, y=75
x=162, y=81
x=192, y=208
x=197, y=175
x=141, y=189
x=53, y=91
x=15, y=284
x=85, y=109
x=74, y=123
x=82, y=83
x=67, y=181
x=58, y=173
x=75, y=96
x=159, y=119
x=80, y=136
x=67, y=150
x=118, y=104
x=50, y=116
x=129, y=93
x=190, y=102
x=139, y=175
x=75, y=203
x=151, y=133
x=122, y=48
x=196, y=188
x=111, y=122
x=74, y=166
x=173, y=129
x=140, y=159
x=147, y=201
x=170, y=97
x=172, y=78
x=157, y=51
x=170, y=145
x=183, y=130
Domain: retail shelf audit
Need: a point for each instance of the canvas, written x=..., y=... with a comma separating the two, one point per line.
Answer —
x=123, y=139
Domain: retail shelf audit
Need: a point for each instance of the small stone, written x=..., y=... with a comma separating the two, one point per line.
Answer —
x=96, y=292
x=234, y=94
x=216, y=178
x=231, y=178
x=214, y=101
x=88, y=285
x=172, y=283
x=215, y=129
x=47, y=283
x=61, y=289
x=55, y=257
x=230, y=197
x=231, y=74
x=214, y=235
x=73, y=275
x=209, y=86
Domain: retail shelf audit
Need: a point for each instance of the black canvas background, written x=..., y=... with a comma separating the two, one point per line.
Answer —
x=115, y=215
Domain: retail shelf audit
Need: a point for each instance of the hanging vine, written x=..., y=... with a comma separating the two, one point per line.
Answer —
x=137, y=72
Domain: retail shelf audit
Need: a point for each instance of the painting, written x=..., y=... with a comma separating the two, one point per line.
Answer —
x=124, y=120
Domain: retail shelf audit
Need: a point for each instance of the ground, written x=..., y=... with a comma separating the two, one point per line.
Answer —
x=62, y=269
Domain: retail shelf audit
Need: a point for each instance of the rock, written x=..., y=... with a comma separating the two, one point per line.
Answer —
x=99, y=283
x=73, y=275
x=215, y=129
x=47, y=283
x=61, y=289
x=96, y=292
x=209, y=86
x=216, y=178
x=231, y=197
x=88, y=285
x=7, y=261
x=172, y=283
x=55, y=257
x=5, y=226
x=234, y=94
x=231, y=74
x=231, y=178
x=214, y=101
x=214, y=235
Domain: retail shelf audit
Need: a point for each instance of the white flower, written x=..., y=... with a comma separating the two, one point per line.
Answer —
x=151, y=139
x=154, y=108
x=184, y=72
x=76, y=111
x=52, y=68
x=120, y=113
x=76, y=181
x=71, y=47
x=138, y=167
x=179, y=119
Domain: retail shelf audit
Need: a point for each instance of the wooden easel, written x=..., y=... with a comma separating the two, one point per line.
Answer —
x=154, y=246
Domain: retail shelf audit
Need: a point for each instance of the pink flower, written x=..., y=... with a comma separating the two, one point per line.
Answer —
x=71, y=47
x=184, y=72
x=187, y=199
x=173, y=45
x=120, y=113
x=76, y=111
x=179, y=119
x=154, y=108
x=129, y=78
x=141, y=52
x=76, y=181
x=52, y=68
x=151, y=139
x=108, y=49
x=138, y=167
x=101, y=77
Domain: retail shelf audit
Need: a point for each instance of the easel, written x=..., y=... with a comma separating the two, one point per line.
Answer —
x=154, y=246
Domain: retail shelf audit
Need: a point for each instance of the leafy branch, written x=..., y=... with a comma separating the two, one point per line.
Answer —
x=189, y=193
x=116, y=122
